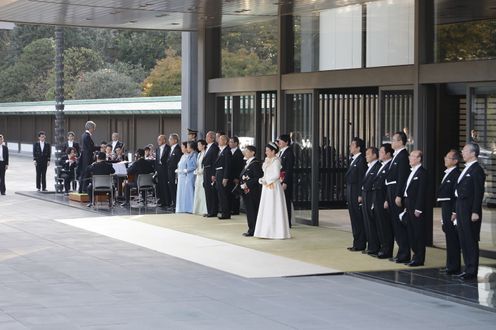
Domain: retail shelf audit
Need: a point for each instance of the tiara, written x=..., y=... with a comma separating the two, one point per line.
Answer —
x=273, y=145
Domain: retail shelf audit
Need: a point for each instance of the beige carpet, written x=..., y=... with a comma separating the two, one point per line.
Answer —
x=317, y=245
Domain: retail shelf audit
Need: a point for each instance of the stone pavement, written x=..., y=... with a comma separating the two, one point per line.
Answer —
x=53, y=276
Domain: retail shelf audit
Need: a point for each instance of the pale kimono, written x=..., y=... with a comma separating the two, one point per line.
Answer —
x=272, y=218
x=200, y=200
x=186, y=183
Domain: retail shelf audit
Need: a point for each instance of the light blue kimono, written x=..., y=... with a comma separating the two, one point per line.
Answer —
x=186, y=183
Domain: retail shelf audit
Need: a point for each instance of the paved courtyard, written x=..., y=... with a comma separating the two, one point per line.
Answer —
x=54, y=276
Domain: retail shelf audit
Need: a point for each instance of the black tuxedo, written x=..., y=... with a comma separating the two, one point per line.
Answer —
x=3, y=165
x=164, y=198
x=86, y=158
x=470, y=192
x=171, y=163
x=382, y=216
x=288, y=162
x=75, y=145
x=208, y=172
x=368, y=213
x=251, y=196
x=223, y=170
x=415, y=194
x=238, y=163
x=97, y=168
x=42, y=158
x=446, y=198
x=398, y=173
x=354, y=179
x=140, y=166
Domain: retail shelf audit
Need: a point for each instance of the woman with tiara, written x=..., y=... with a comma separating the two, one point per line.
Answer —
x=272, y=219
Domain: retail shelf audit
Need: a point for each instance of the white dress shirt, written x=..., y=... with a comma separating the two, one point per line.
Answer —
x=1, y=153
x=233, y=150
x=447, y=172
x=42, y=146
x=354, y=157
x=383, y=165
x=396, y=152
x=467, y=166
x=370, y=165
x=160, y=153
x=281, y=152
x=172, y=149
x=410, y=177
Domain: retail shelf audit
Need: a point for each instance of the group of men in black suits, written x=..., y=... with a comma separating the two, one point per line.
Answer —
x=385, y=191
x=386, y=195
x=222, y=163
x=460, y=195
x=168, y=156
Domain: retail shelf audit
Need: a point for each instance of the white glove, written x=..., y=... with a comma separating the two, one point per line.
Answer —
x=243, y=186
x=176, y=170
x=195, y=172
x=261, y=181
x=185, y=171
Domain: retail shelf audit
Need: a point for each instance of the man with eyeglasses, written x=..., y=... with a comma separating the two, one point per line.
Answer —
x=446, y=198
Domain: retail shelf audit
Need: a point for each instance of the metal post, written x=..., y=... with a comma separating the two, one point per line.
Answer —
x=59, y=106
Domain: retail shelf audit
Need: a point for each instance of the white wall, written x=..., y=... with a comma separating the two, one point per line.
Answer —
x=390, y=32
x=340, y=43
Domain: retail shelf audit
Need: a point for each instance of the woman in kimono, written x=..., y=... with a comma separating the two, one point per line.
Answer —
x=272, y=219
x=200, y=200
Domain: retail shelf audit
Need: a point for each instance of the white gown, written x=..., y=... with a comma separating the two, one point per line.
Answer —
x=200, y=201
x=272, y=218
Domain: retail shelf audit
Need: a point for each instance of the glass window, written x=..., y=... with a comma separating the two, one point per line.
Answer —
x=250, y=49
x=464, y=32
x=375, y=33
x=299, y=124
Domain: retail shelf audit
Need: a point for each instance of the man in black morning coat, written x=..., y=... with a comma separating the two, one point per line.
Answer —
x=446, y=198
x=287, y=156
x=382, y=215
x=87, y=154
x=413, y=214
x=469, y=191
x=211, y=154
x=162, y=154
x=366, y=197
x=4, y=164
x=172, y=161
x=238, y=163
x=41, y=157
x=354, y=178
x=399, y=170
x=223, y=177
x=251, y=189
x=100, y=167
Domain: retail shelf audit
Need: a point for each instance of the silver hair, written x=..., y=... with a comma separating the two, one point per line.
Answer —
x=89, y=124
x=175, y=136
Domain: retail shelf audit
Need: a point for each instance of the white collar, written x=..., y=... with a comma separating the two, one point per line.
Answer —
x=88, y=132
x=467, y=165
x=416, y=167
x=449, y=169
x=372, y=163
x=173, y=146
x=398, y=151
x=386, y=161
x=355, y=156
x=283, y=149
x=233, y=150
x=222, y=148
x=248, y=161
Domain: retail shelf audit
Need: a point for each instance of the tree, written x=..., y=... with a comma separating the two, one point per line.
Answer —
x=105, y=83
x=243, y=63
x=27, y=79
x=143, y=48
x=165, y=78
x=135, y=71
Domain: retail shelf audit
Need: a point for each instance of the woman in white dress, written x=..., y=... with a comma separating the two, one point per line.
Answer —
x=200, y=200
x=272, y=218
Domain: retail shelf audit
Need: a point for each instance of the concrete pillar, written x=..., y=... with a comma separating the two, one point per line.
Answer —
x=189, y=85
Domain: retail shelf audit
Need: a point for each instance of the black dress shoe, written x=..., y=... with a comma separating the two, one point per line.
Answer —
x=452, y=272
x=373, y=253
x=89, y=205
x=224, y=218
x=235, y=213
x=354, y=249
x=247, y=234
x=459, y=274
x=468, y=277
x=382, y=255
x=211, y=215
x=415, y=264
x=403, y=261
x=443, y=271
